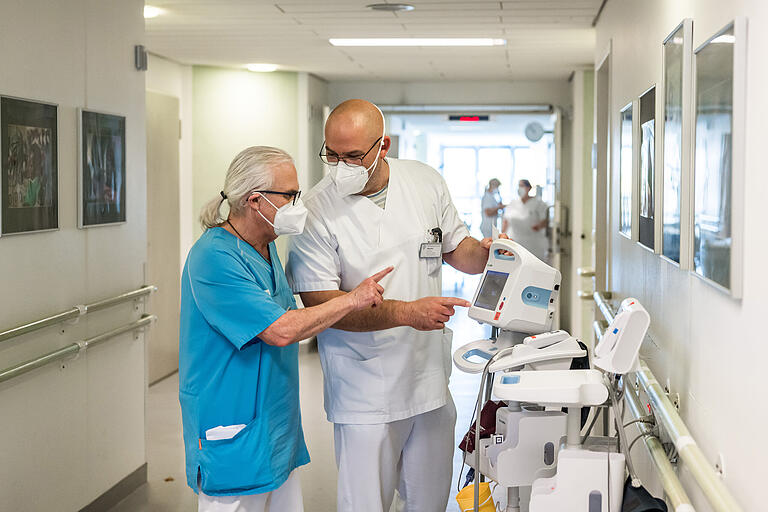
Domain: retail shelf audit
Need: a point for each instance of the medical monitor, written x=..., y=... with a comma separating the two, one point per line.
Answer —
x=518, y=291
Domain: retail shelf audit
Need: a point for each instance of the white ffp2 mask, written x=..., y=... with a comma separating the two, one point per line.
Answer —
x=352, y=179
x=289, y=219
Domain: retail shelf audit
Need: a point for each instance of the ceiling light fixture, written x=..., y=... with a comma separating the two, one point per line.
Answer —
x=261, y=68
x=150, y=11
x=390, y=7
x=418, y=41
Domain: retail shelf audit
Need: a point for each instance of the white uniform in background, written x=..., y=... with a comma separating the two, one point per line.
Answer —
x=521, y=217
x=490, y=200
x=385, y=391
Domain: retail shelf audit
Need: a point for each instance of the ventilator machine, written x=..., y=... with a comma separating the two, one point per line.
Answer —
x=537, y=442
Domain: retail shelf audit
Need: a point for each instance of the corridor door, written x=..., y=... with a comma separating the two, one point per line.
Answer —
x=163, y=231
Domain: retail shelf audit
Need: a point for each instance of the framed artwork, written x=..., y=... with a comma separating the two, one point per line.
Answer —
x=101, y=189
x=677, y=50
x=29, y=185
x=720, y=65
x=625, y=171
x=647, y=161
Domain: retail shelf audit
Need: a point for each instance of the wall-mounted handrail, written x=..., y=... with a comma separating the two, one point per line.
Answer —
x=73, y=349
x=75, y=312
x=672, y=486
x=667, y=416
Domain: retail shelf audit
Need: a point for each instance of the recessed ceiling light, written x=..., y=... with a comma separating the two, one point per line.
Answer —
x=390, y=7
x=416, y=41
x=150, y=11
x=261, y=68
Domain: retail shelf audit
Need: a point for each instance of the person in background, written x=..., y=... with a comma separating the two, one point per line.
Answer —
x=525, y=221
x=238, y=361
x=491, y=206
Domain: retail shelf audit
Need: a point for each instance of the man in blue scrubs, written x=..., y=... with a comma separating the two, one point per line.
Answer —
x=238, y=362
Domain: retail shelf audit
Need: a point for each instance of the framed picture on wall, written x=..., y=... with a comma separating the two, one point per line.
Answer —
x=101, y=188
x=677, y=52
x=625, y=171
x=647, y=161
x=720, y=70
x=29, y=188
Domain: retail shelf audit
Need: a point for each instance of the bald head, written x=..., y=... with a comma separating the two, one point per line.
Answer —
x=352, y=126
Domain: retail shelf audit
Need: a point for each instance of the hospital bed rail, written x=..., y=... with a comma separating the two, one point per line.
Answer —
x=75, y=312
x=666, y=415
x=73, y=349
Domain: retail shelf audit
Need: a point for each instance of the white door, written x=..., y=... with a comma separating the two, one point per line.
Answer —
x=163, y=237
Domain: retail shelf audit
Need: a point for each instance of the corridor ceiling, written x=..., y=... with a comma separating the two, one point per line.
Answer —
x=546, y=39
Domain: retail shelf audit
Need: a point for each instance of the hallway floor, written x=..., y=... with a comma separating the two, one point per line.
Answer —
x=166, y=489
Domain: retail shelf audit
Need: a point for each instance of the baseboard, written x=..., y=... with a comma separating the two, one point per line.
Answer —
x=119, y=491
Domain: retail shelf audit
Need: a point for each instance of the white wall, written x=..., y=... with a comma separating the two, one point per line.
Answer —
x=708, y=345
x=71, y=431
x=234, y=109
x=556, y=92
x=175, y=79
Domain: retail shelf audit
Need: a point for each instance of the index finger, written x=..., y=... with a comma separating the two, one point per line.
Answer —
x=454, y=301
x=380, y=275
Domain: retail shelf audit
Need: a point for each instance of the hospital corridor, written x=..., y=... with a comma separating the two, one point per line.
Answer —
x=379, y=256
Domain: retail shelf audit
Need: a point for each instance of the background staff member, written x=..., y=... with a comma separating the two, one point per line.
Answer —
x=526, y=221
x=491, y=204
x=386, y=370
x=238, y=367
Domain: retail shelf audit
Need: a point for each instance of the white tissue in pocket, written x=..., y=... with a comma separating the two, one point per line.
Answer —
x=223, y=432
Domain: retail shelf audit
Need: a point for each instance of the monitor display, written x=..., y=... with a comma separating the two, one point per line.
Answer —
x=491, y=289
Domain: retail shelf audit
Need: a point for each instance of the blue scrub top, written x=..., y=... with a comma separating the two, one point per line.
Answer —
x=228, y=376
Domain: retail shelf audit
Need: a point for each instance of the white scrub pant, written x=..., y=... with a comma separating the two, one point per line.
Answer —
x=414, y=456
x=286, y=498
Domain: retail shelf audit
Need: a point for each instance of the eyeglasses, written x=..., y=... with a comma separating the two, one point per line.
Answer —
x=292, y=196
x=332, y=159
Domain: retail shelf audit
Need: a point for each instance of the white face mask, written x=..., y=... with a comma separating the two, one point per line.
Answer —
x=522, y=192
x=289, y=219
x=352, y=179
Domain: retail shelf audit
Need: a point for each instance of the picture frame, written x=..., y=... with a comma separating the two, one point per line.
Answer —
x=718, y=161
x=29, y=166
x=675, y=139
x=626, y=168
x=102, y=172
x=646, y=161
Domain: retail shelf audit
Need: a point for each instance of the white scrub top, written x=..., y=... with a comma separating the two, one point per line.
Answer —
x=521, y=217
x=389, y=375
x=489, y=201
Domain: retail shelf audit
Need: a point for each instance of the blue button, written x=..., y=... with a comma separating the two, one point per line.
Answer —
x=510, y=379
x=615, y=331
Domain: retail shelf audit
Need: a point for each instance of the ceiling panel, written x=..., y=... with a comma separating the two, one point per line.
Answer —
x=545, y=38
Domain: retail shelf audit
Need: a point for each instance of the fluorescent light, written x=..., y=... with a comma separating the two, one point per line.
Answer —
x=261, y=68
x=416, y=41
x=150, y=11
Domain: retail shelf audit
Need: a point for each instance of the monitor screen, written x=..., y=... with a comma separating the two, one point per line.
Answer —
x=491, y=289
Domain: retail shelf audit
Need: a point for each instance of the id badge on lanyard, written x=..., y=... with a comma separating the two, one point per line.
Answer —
x=433, y=249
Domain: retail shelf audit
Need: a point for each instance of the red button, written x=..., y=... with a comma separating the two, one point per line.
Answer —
x=497, y=316
x=501, y=306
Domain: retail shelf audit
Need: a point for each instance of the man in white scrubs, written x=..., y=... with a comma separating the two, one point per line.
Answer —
x=491, y=205
x=526, y=221
x=386, y=369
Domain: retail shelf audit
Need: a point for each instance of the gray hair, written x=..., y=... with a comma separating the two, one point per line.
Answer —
x=250, y=170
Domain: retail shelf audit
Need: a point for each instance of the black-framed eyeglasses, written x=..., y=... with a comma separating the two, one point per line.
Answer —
x=333, y=159
x=291, y=196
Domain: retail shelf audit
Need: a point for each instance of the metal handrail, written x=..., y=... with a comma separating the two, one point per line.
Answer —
x=667, y=416
x=75, y=312
x=669, y=481
x=72, y=350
